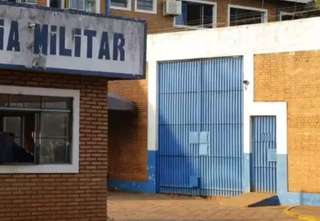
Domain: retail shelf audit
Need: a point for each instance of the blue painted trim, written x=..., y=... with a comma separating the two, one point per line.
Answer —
x=139, y=187
x=73, y=72
x=108, y=6
x=285, y=197
x=246, y=173
x=292, y=198
x=81, y=72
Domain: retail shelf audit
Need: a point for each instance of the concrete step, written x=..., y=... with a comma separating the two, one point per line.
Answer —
x=251, y=200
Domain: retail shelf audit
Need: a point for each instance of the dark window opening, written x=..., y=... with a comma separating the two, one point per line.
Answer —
x=288, y=17
x=196, y=15
x=35, y=129
x=145, y=5
x=119, y=3
x=55, y=4
x=245, y=17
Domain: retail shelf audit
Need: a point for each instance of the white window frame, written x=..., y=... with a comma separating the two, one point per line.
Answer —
x=265, y=11
x=49, y=168
x=214, y=16
x=285, y=13
x=154, y=9
x=63, y=3
x=128, y=8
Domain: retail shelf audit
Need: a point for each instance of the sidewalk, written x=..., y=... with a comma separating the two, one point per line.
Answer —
x=304, y=213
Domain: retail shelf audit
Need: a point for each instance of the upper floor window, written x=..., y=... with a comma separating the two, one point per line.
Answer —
x=33, y=2
x=239, y=15
x=286, y=16
x=121, y=4
x=149, y=6
x=197, y=14
x=38, y=129
x=82, y=5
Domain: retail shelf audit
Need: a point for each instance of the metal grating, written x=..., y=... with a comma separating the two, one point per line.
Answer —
x=264, y=156
x=221, y=116
x=200, y=127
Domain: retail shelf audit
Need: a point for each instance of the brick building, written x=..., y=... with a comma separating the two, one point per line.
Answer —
x=132, y=152
x=54, y=72
x=194, y=15
x=231, y=111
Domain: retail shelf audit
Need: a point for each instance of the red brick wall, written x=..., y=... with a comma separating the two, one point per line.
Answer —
x=77, y=197
x=128, y=133
x=157, y=23
x=294, y=78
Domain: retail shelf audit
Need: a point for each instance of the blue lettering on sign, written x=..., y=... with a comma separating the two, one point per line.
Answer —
x=62, y=43
x=118, y=46
x=41, y=39
x=90, y=34
x=77, y=42
x=13, y=39
x=104, y=51
x=54, y=40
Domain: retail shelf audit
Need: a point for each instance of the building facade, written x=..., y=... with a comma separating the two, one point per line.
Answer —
x=233, y=117
x=54, y=72
x=124, y=149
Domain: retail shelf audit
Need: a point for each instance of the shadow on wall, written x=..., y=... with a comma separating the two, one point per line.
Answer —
x=127, y=147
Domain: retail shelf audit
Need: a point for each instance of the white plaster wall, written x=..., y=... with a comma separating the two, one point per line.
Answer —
x=297, y=35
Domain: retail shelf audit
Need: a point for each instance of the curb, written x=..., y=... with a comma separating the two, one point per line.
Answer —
x=299, y=216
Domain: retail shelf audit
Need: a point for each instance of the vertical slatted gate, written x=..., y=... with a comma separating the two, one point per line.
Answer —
x=221, y=118
x=200, y=127
x=264, y=156
x=178, y=115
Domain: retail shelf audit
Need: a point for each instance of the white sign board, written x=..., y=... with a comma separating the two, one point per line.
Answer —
x=71, y=42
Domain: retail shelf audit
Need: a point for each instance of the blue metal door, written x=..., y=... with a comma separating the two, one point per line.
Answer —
x=221, y=118
x=200, y=127
x=179, y=84
x=264, y=155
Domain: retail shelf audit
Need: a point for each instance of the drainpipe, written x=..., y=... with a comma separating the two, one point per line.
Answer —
x=108, y=7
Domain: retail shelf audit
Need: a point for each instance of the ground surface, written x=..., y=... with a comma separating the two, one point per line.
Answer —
x=140, y=207
x=307, y=211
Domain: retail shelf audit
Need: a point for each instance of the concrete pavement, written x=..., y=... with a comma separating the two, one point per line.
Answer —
x=142, y=207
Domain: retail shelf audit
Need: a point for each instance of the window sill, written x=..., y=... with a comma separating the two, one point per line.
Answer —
x=53, y=168
x=120, y=8
x=145, y=11
x=191, y=27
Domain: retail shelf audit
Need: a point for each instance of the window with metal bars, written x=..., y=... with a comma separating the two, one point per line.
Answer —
x=120, y=3
x=81, y=5
x=197, y=15
x=245, y=16
x=145, y=5
x=39, y=129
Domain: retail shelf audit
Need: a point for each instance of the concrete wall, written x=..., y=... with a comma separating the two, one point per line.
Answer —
x=79, y=196
x=250, y=41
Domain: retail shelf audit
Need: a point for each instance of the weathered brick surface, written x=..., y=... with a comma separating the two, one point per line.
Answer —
x=128, y=133
x=294, y=78
x=60, y=197
x=157, y=23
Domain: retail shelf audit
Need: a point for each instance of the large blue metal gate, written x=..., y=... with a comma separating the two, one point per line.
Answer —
x=264, y=155
x=200, y=127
